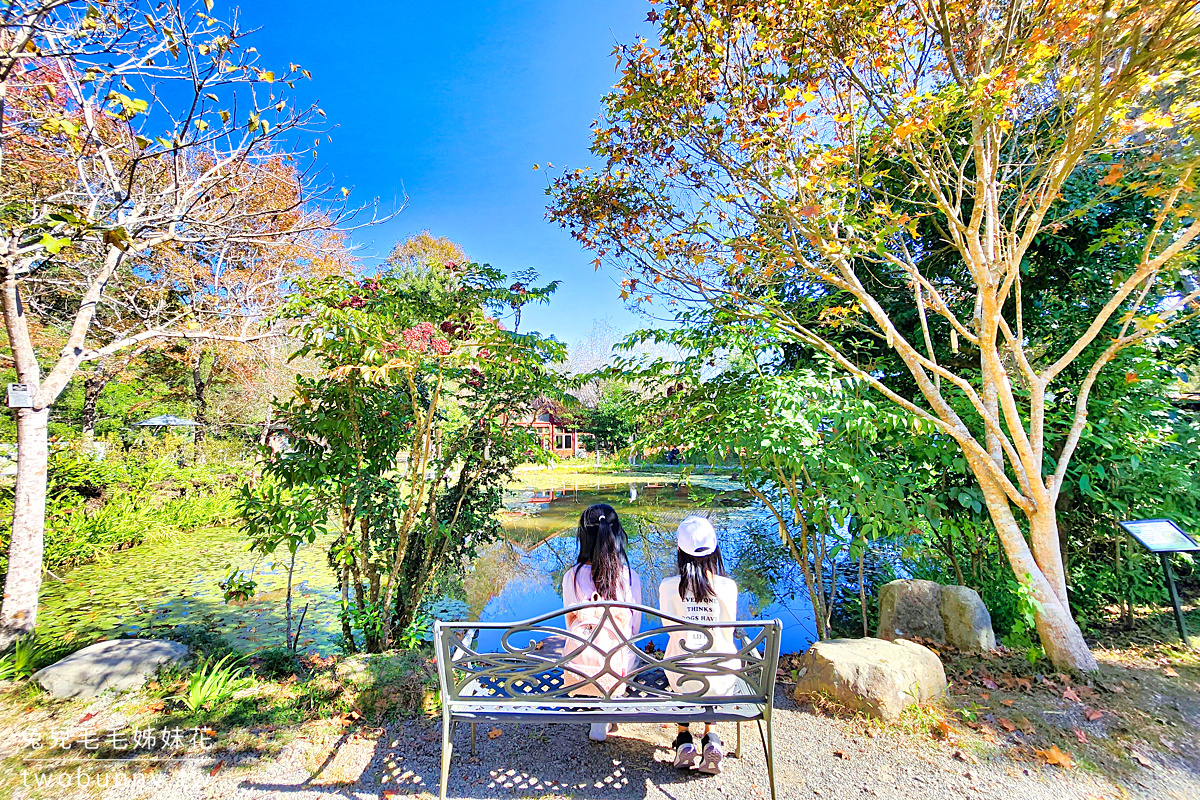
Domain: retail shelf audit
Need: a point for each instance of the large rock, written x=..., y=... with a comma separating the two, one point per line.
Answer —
x=909, y=609
x=117, y=664
x=870, y=675
x=966, y=620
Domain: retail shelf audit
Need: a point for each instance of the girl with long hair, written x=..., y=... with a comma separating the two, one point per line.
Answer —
x=700, y=593
x=601, y=571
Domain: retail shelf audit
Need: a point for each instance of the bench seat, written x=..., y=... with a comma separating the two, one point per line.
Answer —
x=523, y=681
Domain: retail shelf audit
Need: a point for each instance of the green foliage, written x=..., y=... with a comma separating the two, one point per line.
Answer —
x=237, y=585
x=420, y=630
x=614, y=420
x=202, y=640
x=277, y=663
x=405, y=436
x=95, y=504
x=24, y=657
x=211, y=682
x=1023, y=631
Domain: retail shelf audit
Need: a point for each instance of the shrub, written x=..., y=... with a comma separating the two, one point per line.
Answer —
x=211, y=682
x=277, y=663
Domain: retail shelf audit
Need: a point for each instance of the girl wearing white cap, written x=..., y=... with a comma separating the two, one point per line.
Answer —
x=700, y=593
x=600, y=659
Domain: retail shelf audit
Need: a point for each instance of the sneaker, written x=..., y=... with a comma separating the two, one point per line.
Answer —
x=686, y=755
x=711, y=760
x=598, y=732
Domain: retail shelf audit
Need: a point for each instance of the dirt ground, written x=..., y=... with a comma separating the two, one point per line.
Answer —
x=1004, y=731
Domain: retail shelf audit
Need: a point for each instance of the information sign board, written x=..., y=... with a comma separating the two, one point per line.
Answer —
x=1163, y=537
x=1160, y=535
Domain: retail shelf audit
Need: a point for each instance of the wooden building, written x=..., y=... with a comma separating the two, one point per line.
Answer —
x=558, y=435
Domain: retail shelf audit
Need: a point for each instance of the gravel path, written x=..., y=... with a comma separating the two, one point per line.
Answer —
x=817, y=756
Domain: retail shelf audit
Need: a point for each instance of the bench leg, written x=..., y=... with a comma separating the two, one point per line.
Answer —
x=768, y=747
x=737, y=751
x=472, y=738
x=447, y=748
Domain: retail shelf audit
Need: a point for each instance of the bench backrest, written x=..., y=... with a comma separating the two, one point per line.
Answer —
x=533, y=662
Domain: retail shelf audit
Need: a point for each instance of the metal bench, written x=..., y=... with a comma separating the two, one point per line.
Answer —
x=524, y=678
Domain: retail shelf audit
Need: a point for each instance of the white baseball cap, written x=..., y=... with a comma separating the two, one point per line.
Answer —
x=696, y=536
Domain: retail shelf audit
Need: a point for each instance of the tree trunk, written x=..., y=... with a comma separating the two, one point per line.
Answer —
x=199, y=395
x=24, y=579
x=93, y=385
x=1061, y=638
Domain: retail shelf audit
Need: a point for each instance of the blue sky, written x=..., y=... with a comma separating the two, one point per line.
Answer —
x=452, y=103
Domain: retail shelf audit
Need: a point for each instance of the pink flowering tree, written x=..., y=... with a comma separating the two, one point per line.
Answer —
x=405, y=433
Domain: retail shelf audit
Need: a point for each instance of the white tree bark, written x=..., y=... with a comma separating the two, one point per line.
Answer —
x=18, y=615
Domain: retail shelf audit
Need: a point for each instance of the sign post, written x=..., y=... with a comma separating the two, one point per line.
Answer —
x=1163, y=538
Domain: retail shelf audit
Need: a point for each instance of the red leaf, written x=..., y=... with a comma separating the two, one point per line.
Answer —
x=1006, y=723
x=1069, y=694
x=1170, y=673
x=1092, y=714
x=1080, y=735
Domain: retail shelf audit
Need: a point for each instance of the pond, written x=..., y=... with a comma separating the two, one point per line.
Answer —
x=165, y=582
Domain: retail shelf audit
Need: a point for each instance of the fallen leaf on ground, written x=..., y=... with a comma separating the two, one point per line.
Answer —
x=1056, y=756
x=989, y=683
x=1025, y=725
x=967, y=757
x=216, y=769
x=1007, y=703
x=85, y=717
x=1139, y=758
x=1080, y=735
x=985, y=695
x=495, y=733
x=841, y=754
x=1006, y=723
x=1092, y=714
x=155, y=706
x=941, y=730
x=1170, y=673
x=1118, y=689
x=1069, y=694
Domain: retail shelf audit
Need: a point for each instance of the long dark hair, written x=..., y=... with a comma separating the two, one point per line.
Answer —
x=602, y=546
x=694, y=584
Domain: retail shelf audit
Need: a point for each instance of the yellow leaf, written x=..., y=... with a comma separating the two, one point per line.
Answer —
x=1056, y=756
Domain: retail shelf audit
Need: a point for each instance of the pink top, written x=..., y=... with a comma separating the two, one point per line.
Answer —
x=580, y=591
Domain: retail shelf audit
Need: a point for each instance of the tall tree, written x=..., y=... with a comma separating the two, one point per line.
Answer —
x=752, y=156
x=128, y=126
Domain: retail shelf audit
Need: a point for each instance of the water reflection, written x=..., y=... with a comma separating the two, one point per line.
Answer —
x=521, y=576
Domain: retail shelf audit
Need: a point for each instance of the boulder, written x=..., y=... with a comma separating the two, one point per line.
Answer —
x=909, y=609
x=873, y=676
x=966, y=620
x=117, y=664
